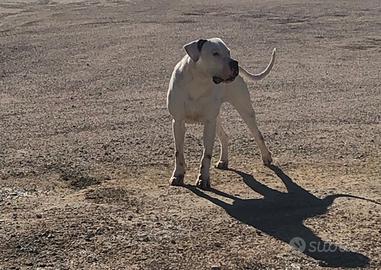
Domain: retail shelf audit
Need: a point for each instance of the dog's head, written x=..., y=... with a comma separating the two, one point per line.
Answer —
x=212, y=57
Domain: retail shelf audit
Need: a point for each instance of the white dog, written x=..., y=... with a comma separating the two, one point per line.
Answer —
x=205, y=78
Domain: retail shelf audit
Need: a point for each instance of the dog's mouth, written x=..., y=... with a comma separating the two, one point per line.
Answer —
x=232, y=77
x=218, y=80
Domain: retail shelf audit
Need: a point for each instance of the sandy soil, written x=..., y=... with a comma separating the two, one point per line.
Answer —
x=86, y=145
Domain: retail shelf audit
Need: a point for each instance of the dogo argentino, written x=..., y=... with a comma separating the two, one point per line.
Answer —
x=205, y=78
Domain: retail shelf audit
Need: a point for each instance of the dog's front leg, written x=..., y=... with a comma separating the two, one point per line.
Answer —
x=203, y=180
x=179, y=171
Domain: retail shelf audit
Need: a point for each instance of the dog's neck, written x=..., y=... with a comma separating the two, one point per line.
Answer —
x=204, y=81
x=196, y=72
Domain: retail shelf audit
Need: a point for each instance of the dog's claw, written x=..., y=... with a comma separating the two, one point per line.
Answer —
x=202, y=183
x=222, y=165
x=177, y=180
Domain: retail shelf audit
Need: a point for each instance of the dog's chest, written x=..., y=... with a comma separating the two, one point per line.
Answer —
x=202, y=108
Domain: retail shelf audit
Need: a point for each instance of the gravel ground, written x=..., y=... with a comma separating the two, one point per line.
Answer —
x=86, y=149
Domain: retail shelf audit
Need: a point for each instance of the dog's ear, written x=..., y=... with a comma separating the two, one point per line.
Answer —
x=193, y=49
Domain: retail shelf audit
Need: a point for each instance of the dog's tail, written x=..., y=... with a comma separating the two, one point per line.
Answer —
x=331, y=198
x=259, y=76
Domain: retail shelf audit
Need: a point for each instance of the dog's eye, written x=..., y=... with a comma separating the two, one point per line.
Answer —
x=216, y=54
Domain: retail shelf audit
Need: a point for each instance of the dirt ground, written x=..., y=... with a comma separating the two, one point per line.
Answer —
x=86, y=148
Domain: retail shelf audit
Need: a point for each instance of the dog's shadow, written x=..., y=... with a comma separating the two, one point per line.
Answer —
x=281, y=215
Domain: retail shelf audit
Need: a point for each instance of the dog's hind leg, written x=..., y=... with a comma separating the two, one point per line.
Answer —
x=223, y=138
x=240, y=99
x=248, y=115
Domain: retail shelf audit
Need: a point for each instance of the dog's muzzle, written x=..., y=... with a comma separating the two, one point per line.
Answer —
x=233, y=64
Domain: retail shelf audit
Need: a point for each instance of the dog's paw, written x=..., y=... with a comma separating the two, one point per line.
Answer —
x=202, y=183
x=176, y=180
x=222, y=165
x=267, y=159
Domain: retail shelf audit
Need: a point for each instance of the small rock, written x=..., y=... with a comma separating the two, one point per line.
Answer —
x=218, y=245
x=89, y=236
x=99, y=231
x=91, y=259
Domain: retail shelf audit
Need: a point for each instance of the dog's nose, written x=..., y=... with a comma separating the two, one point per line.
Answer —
x=234, y=66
